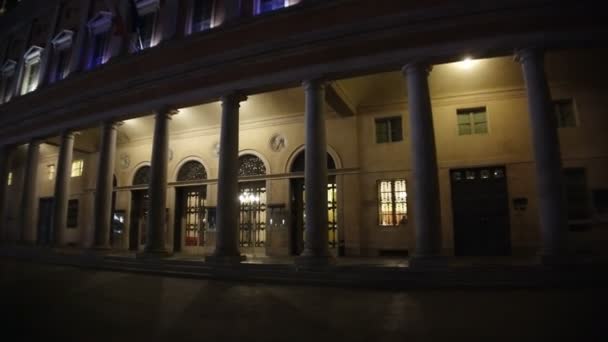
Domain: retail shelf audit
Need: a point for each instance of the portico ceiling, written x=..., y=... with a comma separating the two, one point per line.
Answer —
x=453, y=79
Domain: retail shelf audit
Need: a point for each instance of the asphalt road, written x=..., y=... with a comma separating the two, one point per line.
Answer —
x=40, y=302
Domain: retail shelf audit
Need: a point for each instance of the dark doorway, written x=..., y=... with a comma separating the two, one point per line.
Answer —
x=298, y=214
x=190, y=218
x=481, y=211
x=45, y=219
x=139, y=214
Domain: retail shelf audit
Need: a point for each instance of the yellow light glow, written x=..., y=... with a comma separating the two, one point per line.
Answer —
x=467, y=63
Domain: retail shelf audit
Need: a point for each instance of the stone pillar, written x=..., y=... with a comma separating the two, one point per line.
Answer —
x=104, y=186
x=4, y=169
x=62, y=187
x=426, y=213
x=30, y=194
x=545, y=141
x=157, y=216
x=316, y=249
x=227, y=238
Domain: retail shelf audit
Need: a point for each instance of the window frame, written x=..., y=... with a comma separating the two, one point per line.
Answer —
x=572, y=103
x=100, y=24
x=9, y=178
x=190, y=26
x=62, y=43
x=51, y=171
x=389, y=120
x=80, y=169
x=147, y=8
x=470, y=111
x=31, y=58
x=7, y=87
x=393, y=202
x=258, y=7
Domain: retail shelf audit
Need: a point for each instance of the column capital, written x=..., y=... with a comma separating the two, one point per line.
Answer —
x=168, y=111
x=233, y=98
x=69, y=134
x=417, y=66
x=112, y=124
x=313, y=83
x=35, y=141
x=528, y=54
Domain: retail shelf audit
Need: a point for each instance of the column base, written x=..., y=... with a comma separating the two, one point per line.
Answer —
x=225, y=259
x=155, y=254
x=314, y=261
x=428, y=262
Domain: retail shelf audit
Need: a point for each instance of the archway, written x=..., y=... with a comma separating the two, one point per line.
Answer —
x=191, y=219
x=252, y=199
x=298, y=205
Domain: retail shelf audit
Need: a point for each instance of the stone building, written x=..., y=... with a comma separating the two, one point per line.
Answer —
x=430, y=128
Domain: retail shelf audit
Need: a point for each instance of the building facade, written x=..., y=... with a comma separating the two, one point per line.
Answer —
x=309, y=128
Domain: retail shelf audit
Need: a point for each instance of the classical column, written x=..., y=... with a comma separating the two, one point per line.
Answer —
x=227, y=238
x=545, y=141
x=425, y=184
x=62, y=187
x=316, y=250
x=157, y=216
x=104, y=186
x=30, y=195
x=4, y=165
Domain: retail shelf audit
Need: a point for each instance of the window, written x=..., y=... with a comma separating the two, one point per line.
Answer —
x=62, y=48
x=99, y=48
x=576, y=194
x=389, y=130
x=472, y=121
x=7, y=77
x=201, y=15
x=145, y=30
x=9, y=180
x=72, y=221
x=270, y=5
x=50, y=171
x=31, y=69
x=392, y=202
x=77, y=168
x=564, y=111
x=99, y=30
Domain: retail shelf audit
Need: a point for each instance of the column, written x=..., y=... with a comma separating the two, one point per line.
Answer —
x=104, y=186
x=426, y=213
x=30, y=196
x=316, y=249
x=227, y=238
x=157, y=216
x=62, y=187
x=4, y=167
x=545, y=141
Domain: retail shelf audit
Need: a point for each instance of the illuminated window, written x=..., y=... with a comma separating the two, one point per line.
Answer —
x=31, y=69
x=9, y=181
x=99, y=31
x=392, y=202
x=264, y=6
x=77, y=168
x=472, y=121
x=146, y=18
x=201, y=15
x=564, y=111
x=389, y=130
x=7, y=77
x=50, y=169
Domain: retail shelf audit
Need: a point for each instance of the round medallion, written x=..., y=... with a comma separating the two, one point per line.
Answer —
x=125, y=160
x=278, y=142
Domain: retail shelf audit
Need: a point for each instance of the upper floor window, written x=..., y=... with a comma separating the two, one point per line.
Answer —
x=145, y=23
x=564, y=111
x=472, y=121
x=77, y=168
x=392, y=202
x=50, y=170
x=62, y=52
x=201, y=15
x=31, y=69
x=264, y=6
x=389, y=129
x=9, y=179
x=7, y=78
x=99, y=30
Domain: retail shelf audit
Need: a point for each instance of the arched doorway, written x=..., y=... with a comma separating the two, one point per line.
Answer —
x=140, y=202
x=298, y=204
x=252, y=199
x=191, y=214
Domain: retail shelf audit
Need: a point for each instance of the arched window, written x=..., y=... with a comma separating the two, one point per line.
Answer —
x=250, y=165
x=142, y=176
x=299, y=161
x=191, y=170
